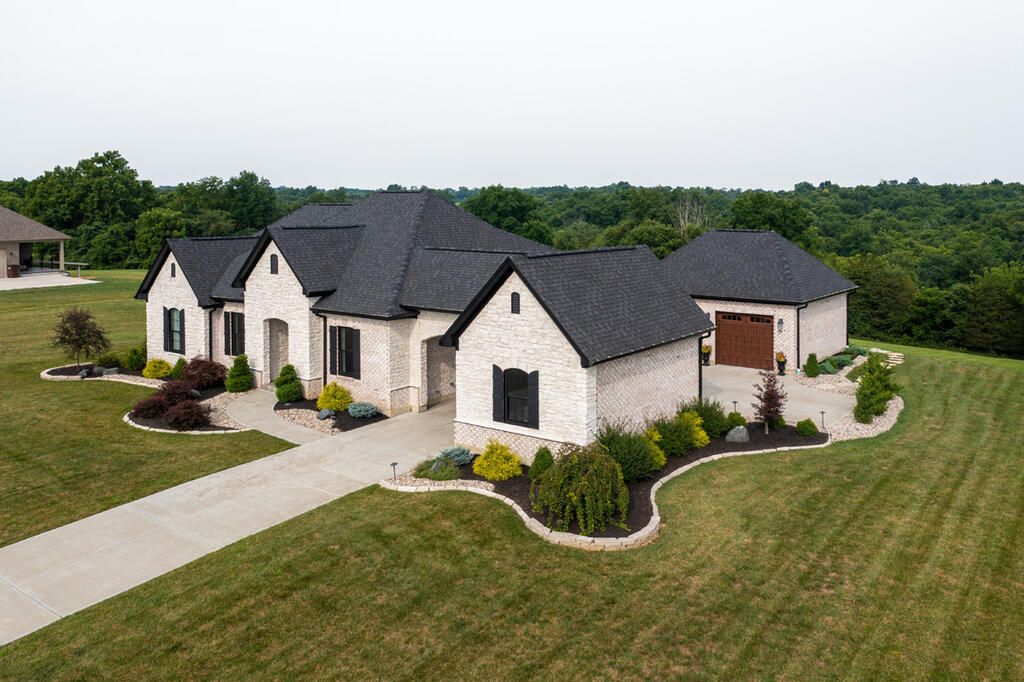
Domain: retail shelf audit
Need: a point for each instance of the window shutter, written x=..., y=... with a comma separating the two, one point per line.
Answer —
x=239, y=329
x=498, y=395
x=227, y=334
x=167, y=330
x=355, y=353
x=533, y=391
x=181, y=317
x=332, y=334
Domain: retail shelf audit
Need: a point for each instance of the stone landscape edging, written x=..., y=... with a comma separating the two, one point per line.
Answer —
x=127, y=420
x=120, y=378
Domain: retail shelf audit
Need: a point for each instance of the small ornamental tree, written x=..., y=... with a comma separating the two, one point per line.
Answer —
x=771, y=399
x=78, y=334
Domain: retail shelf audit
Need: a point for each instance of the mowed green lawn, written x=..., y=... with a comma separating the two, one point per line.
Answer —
x=65, y=453
x=900, y=557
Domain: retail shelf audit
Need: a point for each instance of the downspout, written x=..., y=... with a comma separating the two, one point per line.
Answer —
x=798, y=309
x=209, y=332
x=700, y=367
x=323, y=353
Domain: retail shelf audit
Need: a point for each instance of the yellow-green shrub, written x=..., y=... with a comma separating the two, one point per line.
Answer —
x=157, y=369
x=692, y=421
x=334, y=397
x=497, y=463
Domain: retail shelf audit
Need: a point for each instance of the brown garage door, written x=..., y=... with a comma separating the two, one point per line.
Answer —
x=744, y=340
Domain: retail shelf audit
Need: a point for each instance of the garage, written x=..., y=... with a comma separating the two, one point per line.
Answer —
x=744, y=339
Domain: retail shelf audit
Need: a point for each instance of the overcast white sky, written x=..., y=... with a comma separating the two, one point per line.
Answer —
x=726, y=94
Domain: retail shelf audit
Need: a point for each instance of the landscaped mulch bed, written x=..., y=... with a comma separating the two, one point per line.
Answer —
x=70, y=370
x=640, y=509
x=205, y=394
x=307, y=412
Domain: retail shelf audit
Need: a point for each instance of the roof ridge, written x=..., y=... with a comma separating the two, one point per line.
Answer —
x=214, y=238
x=319, y=227
x=328, y=203
x=466, y=250
x=414, y=243
x=600, y=249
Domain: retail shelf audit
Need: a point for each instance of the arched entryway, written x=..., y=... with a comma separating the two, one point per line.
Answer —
x=276, y=335
x=438, y=380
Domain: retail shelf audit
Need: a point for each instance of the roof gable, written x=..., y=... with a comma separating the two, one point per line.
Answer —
x=607, y=302
x=202, y=261
x=752, y=265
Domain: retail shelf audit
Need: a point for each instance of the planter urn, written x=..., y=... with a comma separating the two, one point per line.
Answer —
x=782, y=367
x=705, y=357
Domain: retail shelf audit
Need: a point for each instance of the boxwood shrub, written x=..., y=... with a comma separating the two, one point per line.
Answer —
x=542, y=461
x=806, y=427
x=157, y=368
x=135, y=359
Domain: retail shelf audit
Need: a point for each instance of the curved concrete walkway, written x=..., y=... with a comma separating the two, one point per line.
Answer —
x=64, y=570
x=255, y=409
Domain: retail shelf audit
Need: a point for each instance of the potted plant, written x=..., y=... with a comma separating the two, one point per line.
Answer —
x=705, y=353
x=780, y=360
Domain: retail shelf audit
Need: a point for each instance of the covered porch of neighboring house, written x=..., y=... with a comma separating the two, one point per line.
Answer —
x=18, y=236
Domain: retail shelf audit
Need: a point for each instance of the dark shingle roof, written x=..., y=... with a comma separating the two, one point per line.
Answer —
x=15, y=227
x=608, y=302
x=447, y=279
x=202, y=261
x=752, y=265
x=224, y=289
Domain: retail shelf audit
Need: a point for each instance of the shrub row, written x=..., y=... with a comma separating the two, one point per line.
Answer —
x=876, y=388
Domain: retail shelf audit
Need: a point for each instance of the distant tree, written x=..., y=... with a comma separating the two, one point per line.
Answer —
x=78, y=334
x=210, y=223
x=251, y=201
x=106, y=246
x=100, y=189
x=192, y=198
x=763, y=211
x=663, y=239
x=537, y=231
x=152, y=229
x=578, y=235
x=879, y=306
x=995, y=320
x=507, y=208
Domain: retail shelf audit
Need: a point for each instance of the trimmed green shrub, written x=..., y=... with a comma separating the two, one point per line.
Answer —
x=735, y=419
x=711, y=413
x=681, y=434
x=497, y=463
x=239, y=377
x=287, y=376
x=583, y=485
x=203, y=373
x=437, y=469
x=334, y=397
x=108, y=360
x=806, y=427
x=875, y=390
x=153, y=406
x=178, y=366
x=457, y=455
x=542, y=461
x=827, y=367
x=289, y=393
x=365, y=411
x=855, y=351
x=841, y=361
x=811, y=366
x=637, y=454
x=157, y=369
x=134, y=359
x=187, y=415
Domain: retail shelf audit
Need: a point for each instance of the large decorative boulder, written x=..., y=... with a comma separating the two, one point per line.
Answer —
x=324, y=414
x=737, y=434
x=83, y=374
x=110, y=370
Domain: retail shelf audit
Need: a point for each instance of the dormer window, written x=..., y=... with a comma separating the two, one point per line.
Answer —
x=273, y=264
x=173, y=270
x=515, y=303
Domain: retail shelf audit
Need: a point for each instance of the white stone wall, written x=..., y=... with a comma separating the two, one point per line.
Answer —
x=644, y=386
x=218, y=333
x=532, y=342
x=823, y=327
x=175, y=292
x=280, y=296
x=374, y=382
x=429, y=326
x=784, y=341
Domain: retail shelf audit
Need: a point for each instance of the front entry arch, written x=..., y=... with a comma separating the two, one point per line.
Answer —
x=275, y=347
x=437, y=381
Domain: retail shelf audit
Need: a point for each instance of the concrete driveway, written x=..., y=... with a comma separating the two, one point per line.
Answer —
x=726, y=384
x=51, y=575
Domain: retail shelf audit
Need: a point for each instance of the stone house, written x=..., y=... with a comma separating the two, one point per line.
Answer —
x=402, y=297
x=765, y=295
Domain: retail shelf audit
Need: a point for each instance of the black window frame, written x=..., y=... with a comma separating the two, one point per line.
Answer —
x=273, y=264
x=234, y=333
x=174, y=340
x=515, y=302
x=510, y=402
x=343, y=351
x=174, y=270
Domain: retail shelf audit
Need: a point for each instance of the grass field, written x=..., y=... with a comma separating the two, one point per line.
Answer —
x=899, y=557
x=64, y=451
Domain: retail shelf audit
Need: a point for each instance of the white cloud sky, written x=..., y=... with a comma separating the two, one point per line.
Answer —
x=726, y=94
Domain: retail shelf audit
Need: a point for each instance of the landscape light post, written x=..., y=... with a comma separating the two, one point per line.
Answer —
x=823, y=419
x=394, y=471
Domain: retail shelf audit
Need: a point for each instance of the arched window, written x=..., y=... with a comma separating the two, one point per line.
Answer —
x=273, y=264
x=515, y=303
x=517, y=397
x=173, y=270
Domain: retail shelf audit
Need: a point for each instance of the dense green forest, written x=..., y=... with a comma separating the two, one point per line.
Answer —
x=939, y=265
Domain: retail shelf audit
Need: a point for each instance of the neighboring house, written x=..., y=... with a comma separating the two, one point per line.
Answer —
x=764, y=294
x=554, y=345
x=18, y=233
x=356, y=293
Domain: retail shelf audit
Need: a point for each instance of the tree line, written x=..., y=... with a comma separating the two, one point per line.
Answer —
x=938, y=265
